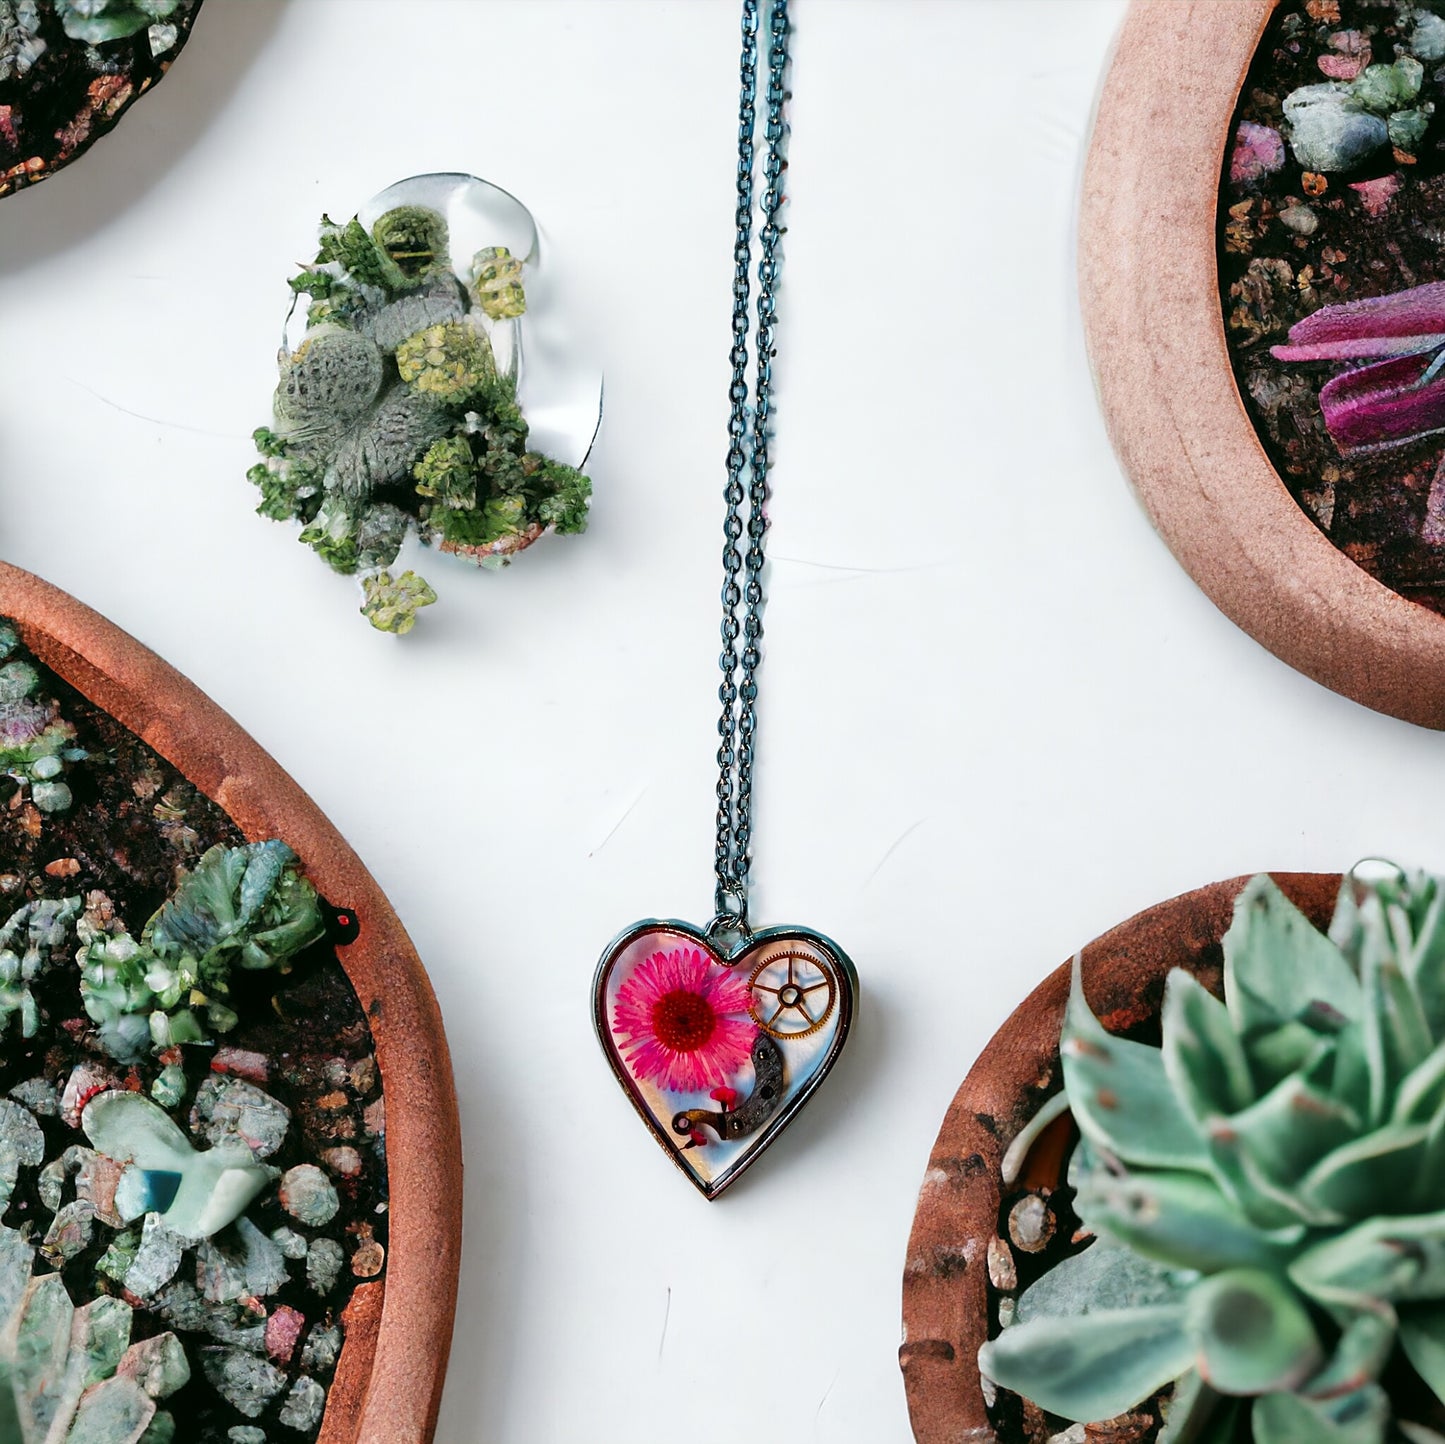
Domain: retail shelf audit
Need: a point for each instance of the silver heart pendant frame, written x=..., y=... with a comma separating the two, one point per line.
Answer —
x=762, y=1022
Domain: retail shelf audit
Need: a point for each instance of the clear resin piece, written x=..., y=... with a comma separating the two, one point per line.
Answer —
x=430, y=387
x=718, y=1050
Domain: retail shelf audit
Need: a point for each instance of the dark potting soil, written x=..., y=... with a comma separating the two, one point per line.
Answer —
x=74, y=93
x=1370, y=230
x=135, y=825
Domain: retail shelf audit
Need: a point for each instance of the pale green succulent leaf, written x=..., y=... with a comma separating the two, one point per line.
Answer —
x=1094, y=1367
x=1424, y=964
x=1292, y=1127
x=1360, y=1353
x=1104, y=1276
x=1292, y=1050
x=1183, y=1220
x=1413, y=1433
x=1278, y=966
x=1396, y=1034
x=1196, y=1414
x=1266, y=1203
x=1203, y=1056
x=1353, y=1179
x=1390, y=1259
x=1358, y=1418
x=1421, y=1094
x=1121, y=1095
x=1422, y=1340
x=1252, y=1333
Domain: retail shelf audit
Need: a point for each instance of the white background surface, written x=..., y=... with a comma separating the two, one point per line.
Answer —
x=997, y=717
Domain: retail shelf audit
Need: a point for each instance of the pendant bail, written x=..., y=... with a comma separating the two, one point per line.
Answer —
x=731, y=918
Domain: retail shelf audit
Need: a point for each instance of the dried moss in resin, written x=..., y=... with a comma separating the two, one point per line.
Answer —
x=192, y=1160
x=393, y=415
x=1262, y=1196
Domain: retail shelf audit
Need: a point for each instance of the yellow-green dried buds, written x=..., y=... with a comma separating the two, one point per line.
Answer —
x=497, y=283
x=451, y=361
x=392, y=602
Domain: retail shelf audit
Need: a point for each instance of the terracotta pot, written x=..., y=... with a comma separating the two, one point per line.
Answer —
x=1149, y=290
x=945, y=1281
x=388, y=1381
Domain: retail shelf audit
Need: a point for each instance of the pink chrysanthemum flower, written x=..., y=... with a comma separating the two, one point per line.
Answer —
x=678, y=1021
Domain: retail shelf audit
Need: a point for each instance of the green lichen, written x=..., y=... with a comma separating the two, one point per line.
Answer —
x=391, y=414
x=1265, y=1188
x=391, y=603
x=447, y=473
x=450, y=361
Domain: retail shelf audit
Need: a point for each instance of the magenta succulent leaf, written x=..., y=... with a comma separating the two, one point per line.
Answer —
x=1399, y=396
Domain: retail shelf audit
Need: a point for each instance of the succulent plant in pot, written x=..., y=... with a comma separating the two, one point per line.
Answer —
x=1265, y=1190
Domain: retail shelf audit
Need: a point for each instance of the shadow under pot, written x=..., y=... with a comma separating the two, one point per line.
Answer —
x=1194, y=1188
x=230, y=1177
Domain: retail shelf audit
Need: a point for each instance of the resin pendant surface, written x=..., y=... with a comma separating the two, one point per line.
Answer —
x=718, y=1049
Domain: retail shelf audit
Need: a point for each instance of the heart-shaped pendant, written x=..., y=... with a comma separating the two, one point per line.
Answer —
x=719, y=1047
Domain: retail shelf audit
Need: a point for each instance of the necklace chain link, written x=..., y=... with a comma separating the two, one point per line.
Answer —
x=738, y=691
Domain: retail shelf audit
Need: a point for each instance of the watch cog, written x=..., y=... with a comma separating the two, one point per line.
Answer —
x=792, y=993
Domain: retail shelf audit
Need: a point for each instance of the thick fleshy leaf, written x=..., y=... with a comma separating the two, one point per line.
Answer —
x=1412, y=1433
x=1094, y=1367
x=1181, y=1219
x=1197, y=1414
x=1422, y=1338
x=1266, y=1203
x=1292, y=1050
x=1371, y=326
x=1252, y=1333
x=1121, y=1095
x=1396, y=1035
x=1278, y=966
x=1385, y=403
x=1202, y=1053
x=1354, y=1179
x=1421, y=1094
x=1350, y=1076
x=1392, y=1259
x=1358, y=1418
x=1424, y=964
x=1360, y=1354
x=1292, y=1128
x=1104, y=1276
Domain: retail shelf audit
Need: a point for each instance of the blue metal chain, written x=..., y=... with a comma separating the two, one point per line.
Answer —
x=738, y=691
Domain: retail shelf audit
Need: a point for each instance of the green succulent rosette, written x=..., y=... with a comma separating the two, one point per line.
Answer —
x=1266, y=1190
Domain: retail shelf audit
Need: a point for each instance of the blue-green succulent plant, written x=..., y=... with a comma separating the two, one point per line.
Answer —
x=241, y=907
x=36, y=742
x=1267, y=1189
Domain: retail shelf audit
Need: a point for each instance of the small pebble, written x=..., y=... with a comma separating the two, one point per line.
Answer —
x=304, y=1405
x=291, y=1243
x=307, y=1194
x=283, y=1329
x=323, y=1264
x=344, y=1162
x=1008, y=1311
x=1302, y=220
x=229, y=1107
x=1031, y=1224
x=243, y=1062
x=62, y=866
x=1001, y=1271
x=246, y=1434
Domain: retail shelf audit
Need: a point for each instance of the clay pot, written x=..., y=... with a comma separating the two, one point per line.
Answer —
x=1149, y=291
x=945, y=1281
x=388, y=1380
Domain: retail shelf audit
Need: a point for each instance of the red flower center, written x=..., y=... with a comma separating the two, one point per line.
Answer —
x=683, y=1020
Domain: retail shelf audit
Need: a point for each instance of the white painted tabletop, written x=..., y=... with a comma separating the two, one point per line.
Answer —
x=997, y=718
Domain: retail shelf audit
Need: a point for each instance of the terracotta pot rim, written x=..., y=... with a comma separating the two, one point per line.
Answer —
x=945, y=1280
x=388, y=1381
x=1154, y=327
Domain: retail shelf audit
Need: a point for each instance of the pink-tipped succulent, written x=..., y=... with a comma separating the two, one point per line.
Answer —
x=1393, y=390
